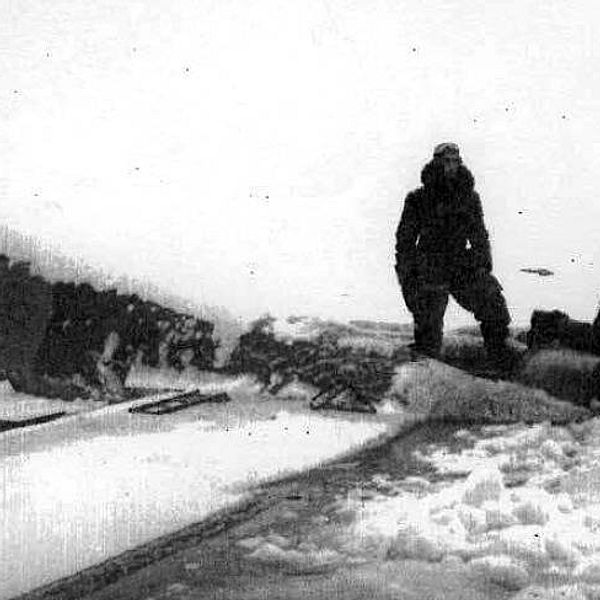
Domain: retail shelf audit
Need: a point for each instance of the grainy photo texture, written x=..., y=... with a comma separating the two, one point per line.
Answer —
x=299, y=300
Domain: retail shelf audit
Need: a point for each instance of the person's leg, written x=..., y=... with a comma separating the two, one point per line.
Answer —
x=482, y=295
x=427, y=302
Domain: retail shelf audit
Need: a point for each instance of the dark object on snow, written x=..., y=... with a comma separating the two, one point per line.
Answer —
x=541, y=272
x=336, y=400
x=362, y=376
x=14, y=424
x=556, y=328
x=177, y=403
x=442, y=249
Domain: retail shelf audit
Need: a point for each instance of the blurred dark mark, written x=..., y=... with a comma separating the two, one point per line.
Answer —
x=541, y=272
x=180, y=402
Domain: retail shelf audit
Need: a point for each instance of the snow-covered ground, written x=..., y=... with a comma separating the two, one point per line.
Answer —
x=509, y=506
x=489, y=512
x=511, y=511
x=79, y=490
x=524, y=512
x=15, y=406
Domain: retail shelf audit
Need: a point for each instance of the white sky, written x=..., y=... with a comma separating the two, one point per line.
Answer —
x=256, y=155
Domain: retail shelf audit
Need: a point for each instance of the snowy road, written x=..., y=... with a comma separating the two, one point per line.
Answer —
x=90, y=486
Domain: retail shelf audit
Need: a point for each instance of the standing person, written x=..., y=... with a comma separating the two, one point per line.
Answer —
x=442, y=248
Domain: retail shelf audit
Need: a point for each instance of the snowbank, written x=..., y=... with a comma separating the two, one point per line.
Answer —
x=563, y=373
x=444, y=392
x=517, y=537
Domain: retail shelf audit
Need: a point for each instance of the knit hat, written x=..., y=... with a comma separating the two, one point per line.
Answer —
x=446, y=149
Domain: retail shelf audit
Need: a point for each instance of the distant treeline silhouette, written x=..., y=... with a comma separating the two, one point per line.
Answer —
x=71, y=340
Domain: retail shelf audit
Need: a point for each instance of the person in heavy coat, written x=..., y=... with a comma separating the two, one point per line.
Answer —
x=442, y=249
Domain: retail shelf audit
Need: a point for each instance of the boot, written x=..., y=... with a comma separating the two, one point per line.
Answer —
x=503, y=358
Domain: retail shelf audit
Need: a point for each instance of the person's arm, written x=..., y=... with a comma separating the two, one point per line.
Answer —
x=479, y=238
x=406, y=238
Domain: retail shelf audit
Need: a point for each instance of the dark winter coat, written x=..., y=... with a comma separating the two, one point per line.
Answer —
x=441, y=231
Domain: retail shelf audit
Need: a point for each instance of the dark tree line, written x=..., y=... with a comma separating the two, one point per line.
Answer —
x=70, y=339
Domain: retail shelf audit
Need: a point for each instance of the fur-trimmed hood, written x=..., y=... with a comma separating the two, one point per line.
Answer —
x=432, y=177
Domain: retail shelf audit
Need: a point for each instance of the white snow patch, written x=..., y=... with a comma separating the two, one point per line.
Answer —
x=297, y=390
x=99, y=495
x=296, y=329
x=564, y=503
x=484, y=483
x=305, y=559
x=523, y=530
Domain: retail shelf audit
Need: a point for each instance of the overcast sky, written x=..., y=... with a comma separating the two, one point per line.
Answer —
x=256, y=155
